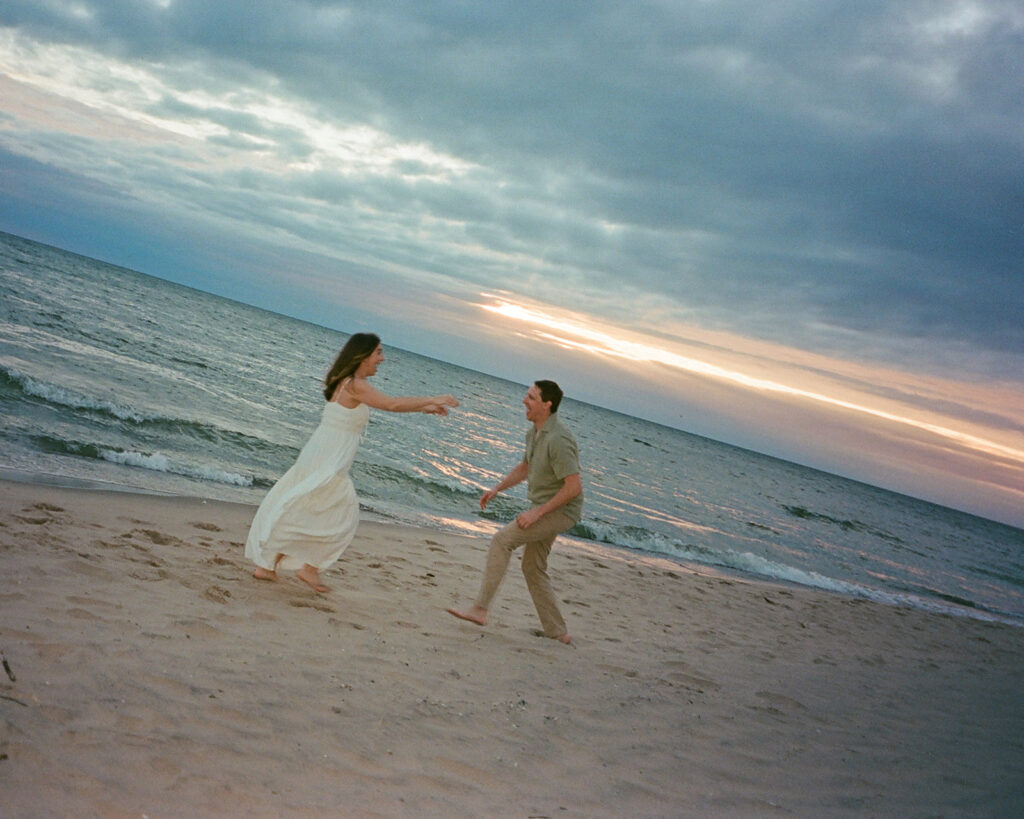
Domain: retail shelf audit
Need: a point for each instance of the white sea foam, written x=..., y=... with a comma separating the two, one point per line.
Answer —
x=754, y=565
x=158, y=462
x=69, y=398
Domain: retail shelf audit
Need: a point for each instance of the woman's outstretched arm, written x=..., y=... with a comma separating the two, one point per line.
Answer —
x=360, y=389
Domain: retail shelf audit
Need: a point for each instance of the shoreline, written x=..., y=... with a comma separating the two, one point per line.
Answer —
x=153, y=675
x=843, y=589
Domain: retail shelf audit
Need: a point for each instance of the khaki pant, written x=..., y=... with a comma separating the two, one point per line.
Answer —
x=537, y=540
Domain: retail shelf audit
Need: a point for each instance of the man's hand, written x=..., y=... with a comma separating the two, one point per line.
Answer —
x=516, y=476
x=526, y=519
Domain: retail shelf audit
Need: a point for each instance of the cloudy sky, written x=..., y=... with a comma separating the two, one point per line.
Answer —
x=797, y=227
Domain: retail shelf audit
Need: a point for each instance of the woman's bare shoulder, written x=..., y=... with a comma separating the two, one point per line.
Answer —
x=344, y=394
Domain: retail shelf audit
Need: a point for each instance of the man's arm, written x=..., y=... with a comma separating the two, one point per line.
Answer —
x=516, y=475
x=571, y=487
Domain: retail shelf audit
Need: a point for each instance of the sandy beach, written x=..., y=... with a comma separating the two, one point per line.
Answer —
x=148, y=674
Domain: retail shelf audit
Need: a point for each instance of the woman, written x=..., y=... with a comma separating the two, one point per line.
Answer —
x=310, y=515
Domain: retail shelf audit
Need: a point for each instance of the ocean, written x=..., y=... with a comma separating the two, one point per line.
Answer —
x=112, y=377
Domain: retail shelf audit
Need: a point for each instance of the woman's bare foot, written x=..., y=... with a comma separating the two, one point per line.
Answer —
x=565, y=638
x=474, y=615
x=311, y=576
x=268, y=574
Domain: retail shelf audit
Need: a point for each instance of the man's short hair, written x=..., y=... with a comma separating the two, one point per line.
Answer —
x=550, y=391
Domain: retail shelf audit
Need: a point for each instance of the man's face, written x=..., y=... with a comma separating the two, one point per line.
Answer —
x=536, y=409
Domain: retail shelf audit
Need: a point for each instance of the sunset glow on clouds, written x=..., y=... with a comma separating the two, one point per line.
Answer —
x=601, y=342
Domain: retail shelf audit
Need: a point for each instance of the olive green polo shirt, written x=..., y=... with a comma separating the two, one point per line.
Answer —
x=552, y=455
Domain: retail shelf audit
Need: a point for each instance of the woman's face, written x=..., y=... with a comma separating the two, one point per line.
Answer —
x=368, y=366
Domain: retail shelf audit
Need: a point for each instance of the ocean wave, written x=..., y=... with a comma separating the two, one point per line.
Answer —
x=154, y=461
x=925, y=600
x=161, y=463
x=63, y=397
x=384, y=479
x=188, y=362
x=37, y=338
x=637, y=538
x=847, y=525
x=629, y=537
x=644, y=540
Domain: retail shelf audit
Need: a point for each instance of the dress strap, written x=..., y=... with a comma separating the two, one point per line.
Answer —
x=339, y=388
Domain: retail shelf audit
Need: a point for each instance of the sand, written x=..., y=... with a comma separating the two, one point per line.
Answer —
x=153, y=676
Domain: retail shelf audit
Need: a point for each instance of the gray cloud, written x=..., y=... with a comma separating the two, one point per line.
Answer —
x=774, y=169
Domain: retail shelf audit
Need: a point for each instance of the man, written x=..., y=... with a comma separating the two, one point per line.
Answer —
x=552, y=471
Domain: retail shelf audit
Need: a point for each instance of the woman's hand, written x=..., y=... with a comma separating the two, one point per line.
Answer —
x=439, y=404
x=360, y=389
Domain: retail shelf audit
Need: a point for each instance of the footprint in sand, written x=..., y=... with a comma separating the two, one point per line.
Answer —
x=35, y=521
x=32, y=514
x=93, y=602
x=108, y=544
x=681, y=673
x=778, y=704
x=217, y=594
x=156, y=537
x=81, y=614
x=160, y=574
x=311, y=604
x=190, y=626
x=209, y=527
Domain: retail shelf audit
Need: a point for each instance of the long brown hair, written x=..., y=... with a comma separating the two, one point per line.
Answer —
x=359, y=347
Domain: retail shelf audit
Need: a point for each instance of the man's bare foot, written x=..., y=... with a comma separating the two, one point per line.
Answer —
x=474, y=615
x=265, y=574
x=565, y=639
x=310, y=576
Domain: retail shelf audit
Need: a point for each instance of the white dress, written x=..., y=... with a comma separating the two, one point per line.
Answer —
x=310, y=515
